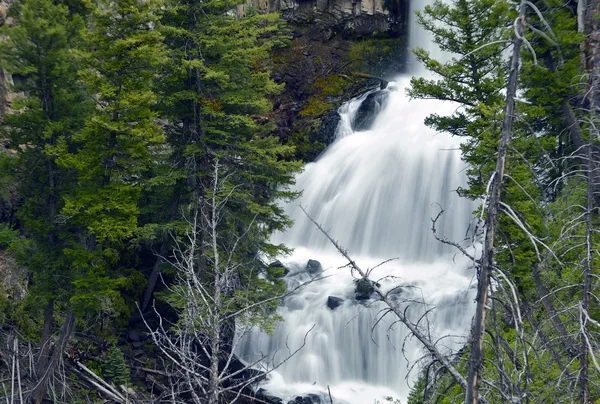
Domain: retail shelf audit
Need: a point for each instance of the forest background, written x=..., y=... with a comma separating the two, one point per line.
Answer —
x=144, y=154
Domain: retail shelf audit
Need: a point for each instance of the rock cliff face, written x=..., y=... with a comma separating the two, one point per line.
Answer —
x=353, y=18
x=332, y=40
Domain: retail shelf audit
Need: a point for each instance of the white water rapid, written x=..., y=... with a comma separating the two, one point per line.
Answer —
x=376, y=192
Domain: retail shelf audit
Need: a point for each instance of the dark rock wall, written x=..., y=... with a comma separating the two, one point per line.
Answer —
x=353, y=18
x=332, y=40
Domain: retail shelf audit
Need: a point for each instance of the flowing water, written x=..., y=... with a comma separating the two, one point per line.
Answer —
x=375, y=191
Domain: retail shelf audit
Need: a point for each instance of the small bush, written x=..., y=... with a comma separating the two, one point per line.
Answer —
x=7, y=235
x=115, y=368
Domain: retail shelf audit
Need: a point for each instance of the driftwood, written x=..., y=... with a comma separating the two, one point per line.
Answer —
x=382, y=82
x=100, y=384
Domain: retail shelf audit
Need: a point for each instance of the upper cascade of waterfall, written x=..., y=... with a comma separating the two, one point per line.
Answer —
x=376, y=191
x=419, y=38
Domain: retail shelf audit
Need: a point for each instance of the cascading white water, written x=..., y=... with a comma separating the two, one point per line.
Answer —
x=376, y=192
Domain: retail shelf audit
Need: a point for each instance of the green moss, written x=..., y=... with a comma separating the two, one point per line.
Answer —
x=332, y=85
x=307, y=148
x=315, y=106
x=377, y=56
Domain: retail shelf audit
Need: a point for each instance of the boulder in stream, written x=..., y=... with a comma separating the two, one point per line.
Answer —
x=364, y=288
x=266, y=397
x=314, y=267
x=369, y=109
x=308, y=399
x=333, y=302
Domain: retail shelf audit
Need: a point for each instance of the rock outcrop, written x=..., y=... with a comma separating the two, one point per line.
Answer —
x=364, y=288
x=369, y=109
x=356, y=18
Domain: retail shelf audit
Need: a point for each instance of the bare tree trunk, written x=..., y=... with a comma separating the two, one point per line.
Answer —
x=46, y=336
x=214, y=379
x=587, y=269
x=591, y=55
x=401, y=314
x=567, y=342
x=478, y=327
x=39, y=391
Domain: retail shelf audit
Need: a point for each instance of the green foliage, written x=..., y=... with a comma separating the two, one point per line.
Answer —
x=114, y=147
x=115, y=369
x=315, y=107
x=474, y=33
x=376, y=55
x=40, y=49
x=303, y=139
x=7, y=235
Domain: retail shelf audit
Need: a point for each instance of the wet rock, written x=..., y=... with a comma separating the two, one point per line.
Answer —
x=133, y=336
x=137, y=344
x=269, y=398
x=369, y=109
x=326, y=132
x=277, y=77
x=308, y=399
x=314, y=267
x=334, y=302
x=364, y=288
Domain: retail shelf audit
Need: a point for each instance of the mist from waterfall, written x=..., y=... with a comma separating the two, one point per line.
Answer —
x=376, y=192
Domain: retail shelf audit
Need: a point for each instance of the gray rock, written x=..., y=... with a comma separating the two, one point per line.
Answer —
x=314, y=267
x=138, y=353
x=133, y=336
x=363, y=289
x=269, y=398
x=308, y=399
x=369, y=109
x=334, y=302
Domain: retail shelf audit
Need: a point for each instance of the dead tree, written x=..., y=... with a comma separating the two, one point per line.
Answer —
x=414, y=328
x=200, y=346
x=493, y=207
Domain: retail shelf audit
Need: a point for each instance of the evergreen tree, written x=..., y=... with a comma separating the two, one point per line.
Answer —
x=215, y=90
x=40, y=49
x=531, y=252
x=224, y=177
x=114, y=150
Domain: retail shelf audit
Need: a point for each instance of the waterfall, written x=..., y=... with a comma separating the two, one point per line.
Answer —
x=376, y=192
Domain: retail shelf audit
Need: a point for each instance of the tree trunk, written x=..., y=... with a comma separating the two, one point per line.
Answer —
x=567, y=342
x=587, y=287
x=478, y=327
x=591, y=61
x=45, y=341
x=39, y=391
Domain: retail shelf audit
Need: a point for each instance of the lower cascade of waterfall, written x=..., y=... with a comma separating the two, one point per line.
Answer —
x=376, y=191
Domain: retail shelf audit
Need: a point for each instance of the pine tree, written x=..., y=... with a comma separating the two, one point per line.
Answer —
x=115, y=369
x=215, y=91
x=114, y=150
x=40, y=49
x=226, y=175
x=534, y=259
